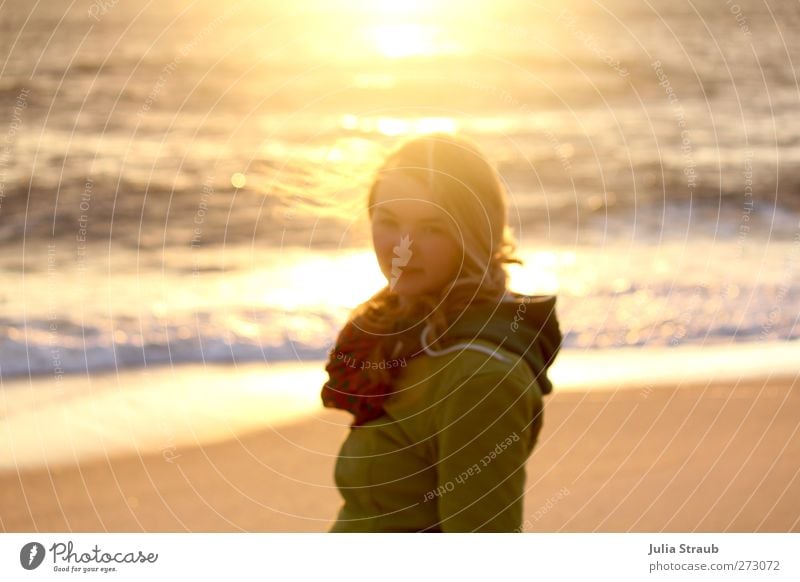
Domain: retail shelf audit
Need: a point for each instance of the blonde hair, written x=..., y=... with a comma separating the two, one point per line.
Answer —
x=468, y=188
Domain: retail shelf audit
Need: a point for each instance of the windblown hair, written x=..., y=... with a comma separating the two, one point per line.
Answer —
x=468, y=188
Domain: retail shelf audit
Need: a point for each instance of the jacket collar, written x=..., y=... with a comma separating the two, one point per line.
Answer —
x=526, y=325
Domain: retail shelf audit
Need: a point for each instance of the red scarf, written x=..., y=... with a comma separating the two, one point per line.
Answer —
x=349, y=386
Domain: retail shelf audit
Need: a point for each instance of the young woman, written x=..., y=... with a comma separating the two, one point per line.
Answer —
x=443, y=369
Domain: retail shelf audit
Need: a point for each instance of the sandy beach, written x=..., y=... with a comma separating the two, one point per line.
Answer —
x=683, y=457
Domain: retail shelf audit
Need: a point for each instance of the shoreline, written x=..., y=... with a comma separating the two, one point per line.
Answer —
x=49, y=422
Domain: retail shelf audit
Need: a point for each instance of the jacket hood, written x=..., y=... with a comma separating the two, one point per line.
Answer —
x=526, y=325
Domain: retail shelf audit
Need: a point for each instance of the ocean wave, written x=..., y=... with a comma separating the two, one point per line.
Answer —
x=633, y=314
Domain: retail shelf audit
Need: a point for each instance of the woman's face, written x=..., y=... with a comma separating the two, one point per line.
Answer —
x=415, y=250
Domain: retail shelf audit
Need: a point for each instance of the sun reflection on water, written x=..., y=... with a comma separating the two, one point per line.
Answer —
x=404, y=40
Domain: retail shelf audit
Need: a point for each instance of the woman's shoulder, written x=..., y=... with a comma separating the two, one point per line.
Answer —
x=482, y=361
x=481, y=394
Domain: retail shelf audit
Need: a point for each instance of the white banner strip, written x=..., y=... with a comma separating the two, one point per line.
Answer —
x=401, y=557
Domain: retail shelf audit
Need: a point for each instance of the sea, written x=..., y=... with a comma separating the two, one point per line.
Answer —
x=184, y=182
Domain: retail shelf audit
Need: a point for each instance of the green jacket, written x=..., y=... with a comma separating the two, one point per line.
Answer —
x=449, y=453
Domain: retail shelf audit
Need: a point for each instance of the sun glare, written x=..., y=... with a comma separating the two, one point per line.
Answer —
x=404, y=40
x=395, y=126
x=397, y=30
x=408, y=8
